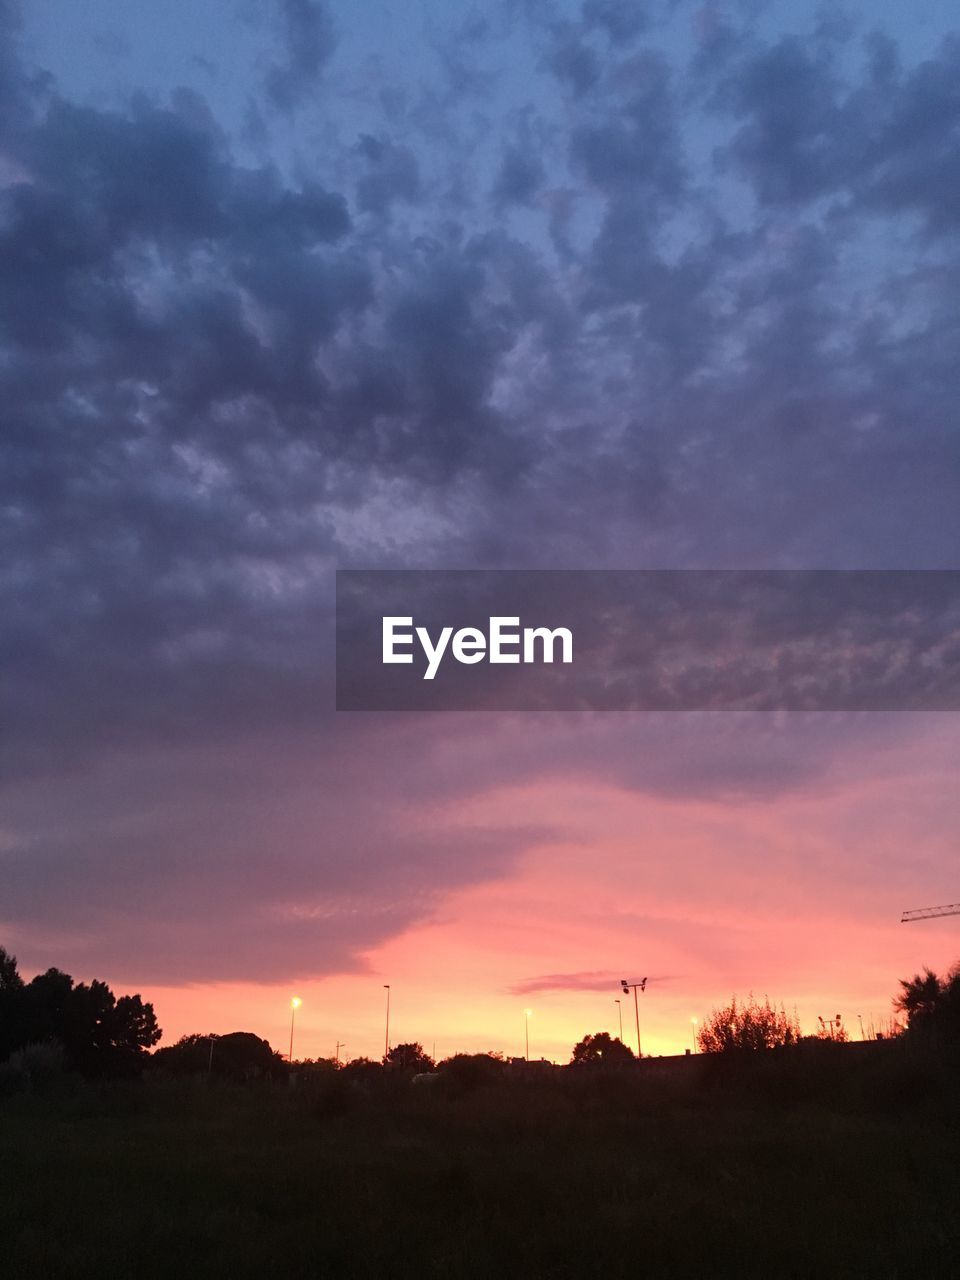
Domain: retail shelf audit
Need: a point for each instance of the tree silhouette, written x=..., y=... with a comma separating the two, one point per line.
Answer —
x=99, y=1034
x=747, y=1026
x=238, y=1055
x=471, y=1070
x=601, y=1050
x=409, y=1057
x=12, y=1011
x=919, y=998
x=932, y=1006
x=363, y=1070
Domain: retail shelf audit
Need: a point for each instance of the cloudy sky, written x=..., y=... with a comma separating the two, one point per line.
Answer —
x=286, y=287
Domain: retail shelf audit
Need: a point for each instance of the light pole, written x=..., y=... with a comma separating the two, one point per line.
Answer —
x=526, y=1029
x=386, y=1038
x=693, y=1025
x=295, y=1004
x=620, y=1015
x=340, y=1045
x=860, y=1020
x=635, y=987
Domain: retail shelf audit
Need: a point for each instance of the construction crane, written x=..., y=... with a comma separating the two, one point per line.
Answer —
x=931, y=913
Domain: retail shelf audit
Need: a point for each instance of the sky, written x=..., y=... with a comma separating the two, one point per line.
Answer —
x=287, y=287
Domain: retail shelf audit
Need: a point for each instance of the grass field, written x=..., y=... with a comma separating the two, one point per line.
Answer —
x=566, y=1178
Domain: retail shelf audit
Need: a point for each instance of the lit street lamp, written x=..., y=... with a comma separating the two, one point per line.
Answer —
x=620, y=1014
x=693, y=1024
x=295, y=1004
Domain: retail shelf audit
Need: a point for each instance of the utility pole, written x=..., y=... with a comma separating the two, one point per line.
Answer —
x=627, y=987
x=386, y=1038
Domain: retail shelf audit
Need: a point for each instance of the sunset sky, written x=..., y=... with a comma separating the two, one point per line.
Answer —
x=288, y=288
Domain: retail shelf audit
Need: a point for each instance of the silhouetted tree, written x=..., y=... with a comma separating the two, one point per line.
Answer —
x=238, y=1055
x=10, y=979
x=100, y=1034
x=363, y=1070
x=932, y=1007
x=12, y=1009
x=747, y=1026
x=409, y=1057
x=470, y=1070
x=601, y=1050
x=190, y=1055
x=919, y=998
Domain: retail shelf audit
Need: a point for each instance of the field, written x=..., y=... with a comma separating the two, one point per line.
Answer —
x=570, y=1177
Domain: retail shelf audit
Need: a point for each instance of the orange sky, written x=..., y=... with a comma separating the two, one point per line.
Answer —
x=797, y=898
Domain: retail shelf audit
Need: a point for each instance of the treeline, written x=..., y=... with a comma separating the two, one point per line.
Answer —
x=51, y=1024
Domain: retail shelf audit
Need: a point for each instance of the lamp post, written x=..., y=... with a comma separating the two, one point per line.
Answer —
x=693, y=1025
x=386, y=1038
x=620, y=1015
x=340, y=1045
x=295, y=1004
x=627, y=987
x=526, y=1028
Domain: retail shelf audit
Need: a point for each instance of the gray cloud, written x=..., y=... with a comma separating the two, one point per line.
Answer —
x=308, y=40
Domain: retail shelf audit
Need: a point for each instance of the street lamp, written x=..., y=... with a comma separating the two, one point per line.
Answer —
x=620, y=1014
x=295, y=1004
x=627, y=987
x=386, y=1038
x=693, y=1024
x=527, y=1014
x=340, y=1045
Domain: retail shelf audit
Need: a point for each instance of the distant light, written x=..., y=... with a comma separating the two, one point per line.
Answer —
x=296, y=1002
x=528, y=1012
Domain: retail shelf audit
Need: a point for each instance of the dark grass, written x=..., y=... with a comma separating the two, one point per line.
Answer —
x=572, y=1177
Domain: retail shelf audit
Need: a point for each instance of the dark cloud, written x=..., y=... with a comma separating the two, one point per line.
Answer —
x=621, y=20
x=597, y=980
x=521, y=175
x=887, y=143
x=391, y=174
x=308, y=41
x=574, y=62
